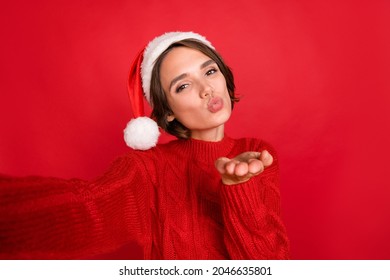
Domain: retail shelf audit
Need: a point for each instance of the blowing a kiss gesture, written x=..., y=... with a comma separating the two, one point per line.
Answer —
x=198, y=95
x=160, y=195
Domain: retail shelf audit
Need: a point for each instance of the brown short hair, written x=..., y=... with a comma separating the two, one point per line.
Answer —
x=161, y=109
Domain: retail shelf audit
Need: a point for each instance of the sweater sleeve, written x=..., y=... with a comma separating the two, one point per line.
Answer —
x=251, y=214
x=51, y=218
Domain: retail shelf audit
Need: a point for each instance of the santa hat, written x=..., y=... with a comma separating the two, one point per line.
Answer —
x=142, y=133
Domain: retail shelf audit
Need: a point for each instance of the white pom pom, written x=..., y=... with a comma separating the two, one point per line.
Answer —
x=141, y=133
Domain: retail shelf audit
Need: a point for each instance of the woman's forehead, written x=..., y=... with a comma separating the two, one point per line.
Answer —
x=182, y=58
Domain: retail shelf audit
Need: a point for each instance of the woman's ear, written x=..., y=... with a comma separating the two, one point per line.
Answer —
x=170, y=118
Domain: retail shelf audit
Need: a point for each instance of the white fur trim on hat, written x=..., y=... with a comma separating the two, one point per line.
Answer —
x=156, y=47
x=141, y=133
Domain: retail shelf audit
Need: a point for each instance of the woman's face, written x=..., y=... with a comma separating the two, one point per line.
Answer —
x=196, y=92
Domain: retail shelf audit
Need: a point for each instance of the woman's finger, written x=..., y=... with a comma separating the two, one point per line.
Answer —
x=220, y=164
x=255, y=166
x=266, y=158
x=241, y=169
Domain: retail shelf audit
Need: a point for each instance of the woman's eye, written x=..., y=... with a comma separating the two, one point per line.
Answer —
x=180, y=88
x=210, y=72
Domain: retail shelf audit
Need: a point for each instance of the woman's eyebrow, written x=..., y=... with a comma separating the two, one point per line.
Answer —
x=182, y=76
x=207, y=63
x=178, y=78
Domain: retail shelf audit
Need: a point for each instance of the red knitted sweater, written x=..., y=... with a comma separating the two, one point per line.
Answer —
x=170, y=199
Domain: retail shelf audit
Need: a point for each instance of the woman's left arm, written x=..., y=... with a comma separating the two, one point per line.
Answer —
x=251, y=213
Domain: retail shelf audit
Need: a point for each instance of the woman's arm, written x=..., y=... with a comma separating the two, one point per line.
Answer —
x=51, y=218
x=251, y=213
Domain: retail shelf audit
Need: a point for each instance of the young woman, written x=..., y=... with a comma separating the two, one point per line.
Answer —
x=202, y=196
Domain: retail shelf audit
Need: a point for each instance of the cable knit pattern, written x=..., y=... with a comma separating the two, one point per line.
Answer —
x=170, y=199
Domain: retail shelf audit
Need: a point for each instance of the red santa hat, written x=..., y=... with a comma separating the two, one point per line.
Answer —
x=142, y=133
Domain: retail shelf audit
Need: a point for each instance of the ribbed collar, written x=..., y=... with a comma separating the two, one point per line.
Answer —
x=206, y=151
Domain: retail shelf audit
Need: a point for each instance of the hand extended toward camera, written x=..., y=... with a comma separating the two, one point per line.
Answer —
x=242, y=167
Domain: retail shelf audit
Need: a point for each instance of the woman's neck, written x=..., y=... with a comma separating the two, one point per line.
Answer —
x=215, y=134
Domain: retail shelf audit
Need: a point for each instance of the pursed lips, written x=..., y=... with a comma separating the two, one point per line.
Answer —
x=215, y=104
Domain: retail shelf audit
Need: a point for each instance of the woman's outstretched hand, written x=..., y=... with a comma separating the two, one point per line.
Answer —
x=242, y=167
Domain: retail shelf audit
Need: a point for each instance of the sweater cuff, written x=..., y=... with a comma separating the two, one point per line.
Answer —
x=244, y=197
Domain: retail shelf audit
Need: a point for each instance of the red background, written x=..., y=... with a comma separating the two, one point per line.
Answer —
x=313, y=76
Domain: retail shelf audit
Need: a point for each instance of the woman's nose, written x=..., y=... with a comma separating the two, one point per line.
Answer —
x=206, y=90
